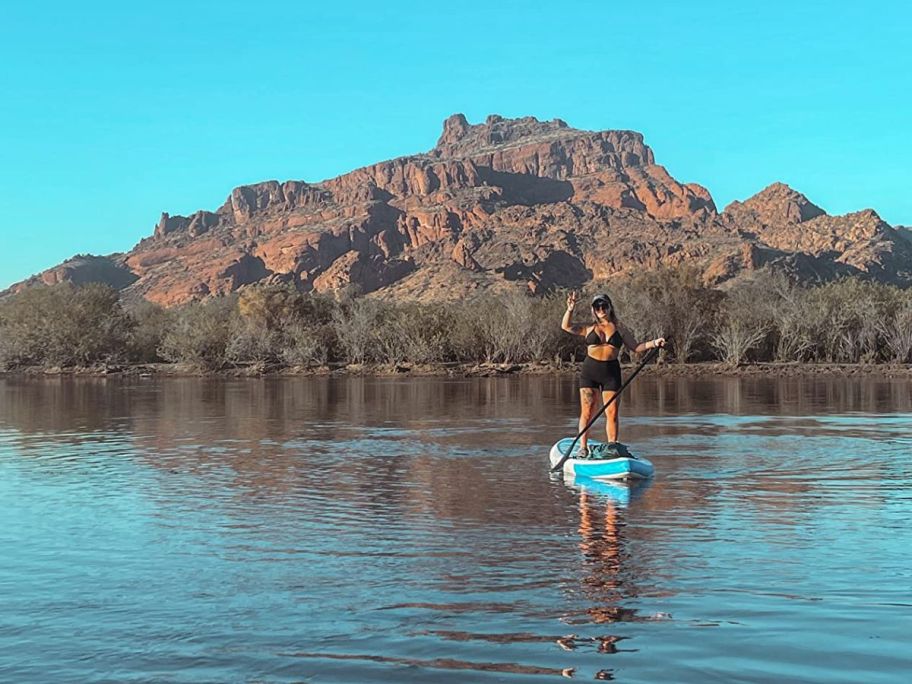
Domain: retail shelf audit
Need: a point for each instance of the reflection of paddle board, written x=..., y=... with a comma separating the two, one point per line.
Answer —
x=620, y=468
x=619, y=492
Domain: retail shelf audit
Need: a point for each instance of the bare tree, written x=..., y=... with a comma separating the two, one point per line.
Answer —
x=355, y=324
x=672, y=303
x=306, y=344
x=896, y=329
x=744, y=318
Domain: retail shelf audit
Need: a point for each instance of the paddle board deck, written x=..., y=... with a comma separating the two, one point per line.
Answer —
x=620, y=468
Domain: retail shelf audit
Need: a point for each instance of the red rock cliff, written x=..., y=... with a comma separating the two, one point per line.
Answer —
x=505, y=203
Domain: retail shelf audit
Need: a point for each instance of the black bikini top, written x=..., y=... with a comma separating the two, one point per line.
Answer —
x=615, y=340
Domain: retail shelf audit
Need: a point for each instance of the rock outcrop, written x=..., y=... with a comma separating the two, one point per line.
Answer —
x=82, y=269
x=860, y=243
x=508, y=203
x=775, y=205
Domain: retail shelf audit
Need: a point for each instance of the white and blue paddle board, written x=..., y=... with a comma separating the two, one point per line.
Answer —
x=619, y=468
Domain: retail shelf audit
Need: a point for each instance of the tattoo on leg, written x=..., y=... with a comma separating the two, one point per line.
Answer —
x=612, y=424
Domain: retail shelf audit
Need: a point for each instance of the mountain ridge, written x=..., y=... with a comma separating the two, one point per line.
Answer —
x=506, y=203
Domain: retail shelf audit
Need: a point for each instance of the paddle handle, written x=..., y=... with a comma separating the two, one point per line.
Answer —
x=647, y=359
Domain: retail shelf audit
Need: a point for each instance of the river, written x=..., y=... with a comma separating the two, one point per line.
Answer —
x=407, y=530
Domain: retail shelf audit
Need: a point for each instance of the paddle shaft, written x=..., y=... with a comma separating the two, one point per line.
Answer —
x=647, y=359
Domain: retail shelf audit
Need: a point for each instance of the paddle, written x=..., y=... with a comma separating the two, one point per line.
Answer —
x=647, y=359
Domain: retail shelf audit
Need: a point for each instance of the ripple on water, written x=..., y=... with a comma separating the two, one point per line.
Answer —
x=351, y=530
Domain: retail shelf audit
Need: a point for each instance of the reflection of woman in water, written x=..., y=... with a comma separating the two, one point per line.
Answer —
x=601, y=546
x=599, y=540
x=603, y=549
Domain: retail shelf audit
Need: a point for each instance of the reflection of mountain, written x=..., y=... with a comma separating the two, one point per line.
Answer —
x=453, y=450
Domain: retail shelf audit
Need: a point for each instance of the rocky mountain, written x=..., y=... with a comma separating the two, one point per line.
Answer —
x=508, y=203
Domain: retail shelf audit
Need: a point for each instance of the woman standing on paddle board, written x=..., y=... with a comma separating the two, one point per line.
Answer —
x=601, y=371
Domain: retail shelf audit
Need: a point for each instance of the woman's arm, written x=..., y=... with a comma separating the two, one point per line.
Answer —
x=631, y=343
x=565, y=321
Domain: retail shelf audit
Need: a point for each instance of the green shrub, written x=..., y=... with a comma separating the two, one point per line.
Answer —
x=277, y=324
x=150, y=325
x=308, y=344
x=63, y=325
x=896, y=328
x=270, y=307
x=670, y=303
x=201, y=333
x=762, y=316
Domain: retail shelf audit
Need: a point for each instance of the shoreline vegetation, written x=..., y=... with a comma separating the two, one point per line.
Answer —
x=765, y=324
x=457, y=370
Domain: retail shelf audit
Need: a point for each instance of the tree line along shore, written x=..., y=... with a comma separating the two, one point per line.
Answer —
x=766, y=318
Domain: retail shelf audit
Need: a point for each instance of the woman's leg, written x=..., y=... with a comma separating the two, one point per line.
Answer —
x=611, y=414
x=588, y=399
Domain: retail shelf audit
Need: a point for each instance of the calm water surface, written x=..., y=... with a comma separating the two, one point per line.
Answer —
x=361, y=530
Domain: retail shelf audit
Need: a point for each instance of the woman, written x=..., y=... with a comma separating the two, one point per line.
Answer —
x=601, y=372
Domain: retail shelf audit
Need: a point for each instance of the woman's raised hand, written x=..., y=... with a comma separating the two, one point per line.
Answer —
x=571, y=300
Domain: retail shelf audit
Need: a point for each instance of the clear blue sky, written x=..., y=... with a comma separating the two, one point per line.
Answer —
x=111, y=113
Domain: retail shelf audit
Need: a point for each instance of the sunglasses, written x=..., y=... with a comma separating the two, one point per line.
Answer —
x=601, y=306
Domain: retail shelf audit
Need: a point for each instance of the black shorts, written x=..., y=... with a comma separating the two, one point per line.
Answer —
x=604, y=376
